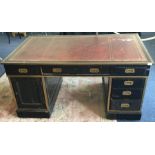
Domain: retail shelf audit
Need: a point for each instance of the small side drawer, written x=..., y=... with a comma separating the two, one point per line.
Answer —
x=22, y=70
x=126, y=93
x=128, y=82
x=125, y=105
x=130, y=70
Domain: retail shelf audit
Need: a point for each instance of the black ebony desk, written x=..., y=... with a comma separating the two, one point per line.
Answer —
x=35, y=70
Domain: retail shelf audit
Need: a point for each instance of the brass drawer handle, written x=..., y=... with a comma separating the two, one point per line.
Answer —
x=57, y=70
x=126, y=93
x=128, y=83
x=94, y=70
x=125, y=105
x=129, y=70
x=23, y=70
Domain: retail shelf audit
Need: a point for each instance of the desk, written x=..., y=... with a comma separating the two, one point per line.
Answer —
x=35, y=70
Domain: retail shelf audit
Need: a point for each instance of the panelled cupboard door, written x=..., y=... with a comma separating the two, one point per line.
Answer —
x=28, y=92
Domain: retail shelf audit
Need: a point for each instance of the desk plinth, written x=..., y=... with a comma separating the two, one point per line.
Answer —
x=35, y=70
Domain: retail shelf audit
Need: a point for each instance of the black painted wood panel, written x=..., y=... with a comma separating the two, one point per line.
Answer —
x=28, y=92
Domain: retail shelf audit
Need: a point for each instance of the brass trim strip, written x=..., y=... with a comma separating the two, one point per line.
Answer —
x=77, y=76
x=146, y=79
x=28, y=76
x=109, y=93
x=78, y=62
x=33, y=110
x=129, y=76
x=13, y=92
x=123, y=112
x=45, y=92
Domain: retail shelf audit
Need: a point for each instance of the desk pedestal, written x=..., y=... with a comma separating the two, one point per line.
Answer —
x=35, y=96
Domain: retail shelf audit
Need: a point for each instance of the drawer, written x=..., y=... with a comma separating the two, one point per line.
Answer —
x=126, y=93
x=22, y=70
x=76, y=70
x=130, y=70
x=128, y=82
x=125, y=105
x=58, y=70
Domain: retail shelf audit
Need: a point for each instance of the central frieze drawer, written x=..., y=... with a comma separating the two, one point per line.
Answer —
x=128, y=82
x=126, y=93
x=76, y=70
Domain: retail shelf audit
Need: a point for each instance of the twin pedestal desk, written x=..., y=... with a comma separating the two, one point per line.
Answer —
x=35, y=70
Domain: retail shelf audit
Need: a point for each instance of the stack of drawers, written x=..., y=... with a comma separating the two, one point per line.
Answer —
x=126, y=94
x=126, y=89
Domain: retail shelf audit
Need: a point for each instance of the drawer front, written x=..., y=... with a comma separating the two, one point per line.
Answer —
x=75, y=70
x=130, y=70
x=22, y=70
x=126, y=93
x=128, y=82
x=125, y=105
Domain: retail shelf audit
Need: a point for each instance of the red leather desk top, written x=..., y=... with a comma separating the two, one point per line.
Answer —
x=124, y=48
